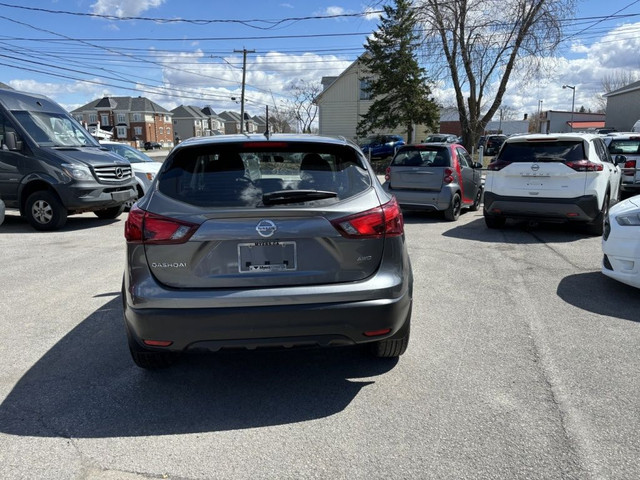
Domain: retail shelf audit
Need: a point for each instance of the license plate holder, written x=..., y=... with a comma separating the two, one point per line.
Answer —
x=267, y=257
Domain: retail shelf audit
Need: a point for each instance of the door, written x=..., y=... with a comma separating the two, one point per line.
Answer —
x=11, y=165
x=469, y=175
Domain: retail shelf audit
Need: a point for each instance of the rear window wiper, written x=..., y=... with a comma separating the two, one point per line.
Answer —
x=282, y=197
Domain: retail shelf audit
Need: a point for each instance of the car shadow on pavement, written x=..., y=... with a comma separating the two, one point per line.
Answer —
x=597, y=293
x=86, y=386
x=14, y=223
x=518, y=232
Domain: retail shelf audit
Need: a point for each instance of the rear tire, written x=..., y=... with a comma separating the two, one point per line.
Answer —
x=596, y=228
x=44, y=211
x=452, y=213
x=476, y=201
x=396, y=345
x=110, y=213
x=495, y=222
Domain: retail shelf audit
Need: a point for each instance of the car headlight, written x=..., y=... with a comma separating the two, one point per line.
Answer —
x=629, y=219
x=79, y=172
x=150, y=176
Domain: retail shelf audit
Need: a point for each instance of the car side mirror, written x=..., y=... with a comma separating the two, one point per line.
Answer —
x=620, y=159
x=476, y=165
x=11, y=141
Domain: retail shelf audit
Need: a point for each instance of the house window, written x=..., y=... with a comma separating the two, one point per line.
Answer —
x=364, y=94
x=161, y=131
x=137, y=130
x=122, y=132
x=104, y=119
x=168, y=131
x=122, y=118
x=166, y=118
x=93, y=118
x=79, y=118
x=137, y=117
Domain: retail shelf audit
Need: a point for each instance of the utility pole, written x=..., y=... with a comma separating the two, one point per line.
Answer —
x=244, y=76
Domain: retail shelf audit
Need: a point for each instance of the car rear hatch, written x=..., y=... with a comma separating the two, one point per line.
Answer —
x=542, y=167
x=279, y=229
x=420, y=167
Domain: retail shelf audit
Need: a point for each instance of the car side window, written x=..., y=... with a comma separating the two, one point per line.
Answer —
x=462, y=157
x=601, y=151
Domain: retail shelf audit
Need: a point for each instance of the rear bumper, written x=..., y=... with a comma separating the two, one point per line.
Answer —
x=422, y=199
x=577, y=209
x=250, y=327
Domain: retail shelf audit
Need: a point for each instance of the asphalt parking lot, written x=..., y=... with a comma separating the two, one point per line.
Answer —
x=523, y=363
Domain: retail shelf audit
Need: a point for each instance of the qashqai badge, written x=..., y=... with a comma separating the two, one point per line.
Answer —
x=266, y=228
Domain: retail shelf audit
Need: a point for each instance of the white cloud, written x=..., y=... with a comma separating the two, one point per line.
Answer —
x=124, y=8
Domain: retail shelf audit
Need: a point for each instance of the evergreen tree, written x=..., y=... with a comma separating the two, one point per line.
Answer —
x=396, y=83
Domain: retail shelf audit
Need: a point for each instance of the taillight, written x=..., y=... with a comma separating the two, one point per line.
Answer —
x=584, y=166
x=497, y=165
x=387, y=174
x=629, y=167
x=149, y=228
x=448, y=176
x=378, y=222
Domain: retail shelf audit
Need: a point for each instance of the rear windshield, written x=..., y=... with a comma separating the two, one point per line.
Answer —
x=632, y=146
x=423, y=157
x=260, y=175
x=542, y=151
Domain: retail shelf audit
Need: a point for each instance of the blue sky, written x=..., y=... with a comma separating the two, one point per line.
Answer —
x=77, y=50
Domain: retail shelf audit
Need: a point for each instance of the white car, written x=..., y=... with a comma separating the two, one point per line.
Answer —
x=144, y=167
x=1, y=212
x=621, y=242
x=564, y=177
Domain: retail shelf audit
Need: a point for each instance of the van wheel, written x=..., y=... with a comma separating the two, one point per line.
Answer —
x=44, y=211
x=476, y=201
x=596, y=228
x=453, y=211
x=109, y=213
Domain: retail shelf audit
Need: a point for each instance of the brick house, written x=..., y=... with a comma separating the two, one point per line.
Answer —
x=134, y=120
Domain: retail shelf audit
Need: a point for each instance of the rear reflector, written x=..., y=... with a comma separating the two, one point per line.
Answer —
x=376, y=333
x=157, y=343
x=148, y=228
x=378, y=222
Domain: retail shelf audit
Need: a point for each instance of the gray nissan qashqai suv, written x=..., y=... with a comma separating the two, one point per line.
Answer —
x=252, y=241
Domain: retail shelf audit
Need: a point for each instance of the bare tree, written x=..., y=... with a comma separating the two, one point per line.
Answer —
x=480, y=43
x=302, y=103
x=613, y=81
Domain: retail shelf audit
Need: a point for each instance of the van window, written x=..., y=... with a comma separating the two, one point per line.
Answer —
x=5, y=126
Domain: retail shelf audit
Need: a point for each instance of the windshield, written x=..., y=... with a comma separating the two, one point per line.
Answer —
x=427, y=157
x=542, y=151
x=630, y=146
x=130, y=153
x=263, y=175
x=54, y=129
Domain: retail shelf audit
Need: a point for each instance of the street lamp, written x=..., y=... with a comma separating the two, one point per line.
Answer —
x=539, y=119
x=573, y=101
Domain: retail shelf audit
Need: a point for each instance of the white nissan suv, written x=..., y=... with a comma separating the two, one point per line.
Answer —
x=564, y=177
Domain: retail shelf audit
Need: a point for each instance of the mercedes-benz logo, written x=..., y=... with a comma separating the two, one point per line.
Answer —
x=119, y=172
x=266, y=228
x=535, y=167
